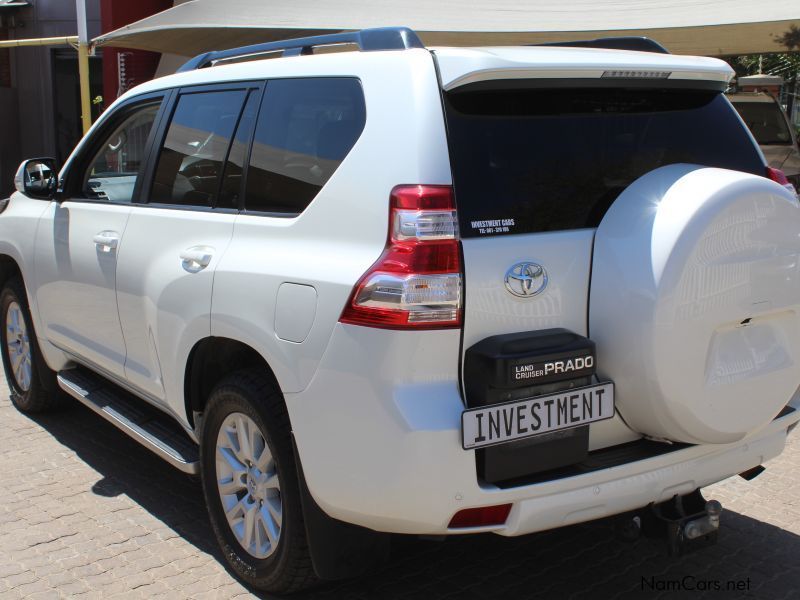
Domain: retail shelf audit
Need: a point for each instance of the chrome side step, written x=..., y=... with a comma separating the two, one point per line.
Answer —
x=148, y=426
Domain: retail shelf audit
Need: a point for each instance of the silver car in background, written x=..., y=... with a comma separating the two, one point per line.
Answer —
x=773, y=131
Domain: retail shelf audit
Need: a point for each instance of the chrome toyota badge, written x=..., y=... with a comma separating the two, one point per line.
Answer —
x=526, y=279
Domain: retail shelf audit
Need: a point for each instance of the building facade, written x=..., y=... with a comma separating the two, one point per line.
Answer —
x=39, y=90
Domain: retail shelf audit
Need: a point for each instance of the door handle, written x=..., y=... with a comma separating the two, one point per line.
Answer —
x=106, y=241
x=196, y=258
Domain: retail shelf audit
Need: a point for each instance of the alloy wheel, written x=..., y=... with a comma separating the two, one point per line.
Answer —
x=248, y=485
x=19, y=347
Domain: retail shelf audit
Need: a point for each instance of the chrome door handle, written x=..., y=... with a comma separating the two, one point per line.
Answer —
x=106, y=241
x=197, y=258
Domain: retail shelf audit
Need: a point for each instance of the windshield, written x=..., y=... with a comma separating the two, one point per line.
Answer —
x=529, y=160
x=766, y=121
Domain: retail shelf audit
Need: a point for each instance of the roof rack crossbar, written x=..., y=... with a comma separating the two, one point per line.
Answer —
x=637, y=43
x=367, y=40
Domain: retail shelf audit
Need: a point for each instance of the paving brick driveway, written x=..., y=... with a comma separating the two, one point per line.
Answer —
x=85, y=512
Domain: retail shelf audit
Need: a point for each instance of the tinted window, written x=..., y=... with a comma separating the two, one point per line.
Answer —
x=190, y=163
x=113, y=171
x=542, y=160
x=232, y=177
x=766, y=121
x=305, y=129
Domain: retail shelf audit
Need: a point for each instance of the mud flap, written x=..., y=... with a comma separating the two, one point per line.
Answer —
x=338, y=550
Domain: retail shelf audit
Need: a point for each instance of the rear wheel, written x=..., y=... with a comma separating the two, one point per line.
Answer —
x=250, y=484
x=32, y=385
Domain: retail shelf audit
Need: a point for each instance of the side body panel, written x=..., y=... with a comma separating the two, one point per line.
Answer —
x=18, y=232
x=343, y=231
x=76, y=278
x=165, y=302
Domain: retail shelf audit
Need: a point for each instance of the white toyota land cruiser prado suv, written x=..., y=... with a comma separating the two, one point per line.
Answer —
x=402, y=290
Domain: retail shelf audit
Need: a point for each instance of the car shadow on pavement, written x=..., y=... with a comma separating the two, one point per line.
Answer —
x=751, y=559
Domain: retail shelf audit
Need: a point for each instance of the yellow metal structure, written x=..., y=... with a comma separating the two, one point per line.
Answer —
x=83, y=75
x=83, y=67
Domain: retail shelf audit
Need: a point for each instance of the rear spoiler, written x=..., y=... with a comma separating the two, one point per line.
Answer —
x=635, y=43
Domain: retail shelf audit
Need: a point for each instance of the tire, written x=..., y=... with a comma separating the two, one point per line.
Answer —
x=33, y=385
x=276, y=564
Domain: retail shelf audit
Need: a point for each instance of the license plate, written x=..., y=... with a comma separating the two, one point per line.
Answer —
x=501, y=423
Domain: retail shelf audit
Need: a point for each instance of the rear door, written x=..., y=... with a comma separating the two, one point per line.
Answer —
x=534, y=171
x=175, y=238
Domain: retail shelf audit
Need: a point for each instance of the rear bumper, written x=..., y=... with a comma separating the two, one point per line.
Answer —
x=384, y=452
x=637, y=484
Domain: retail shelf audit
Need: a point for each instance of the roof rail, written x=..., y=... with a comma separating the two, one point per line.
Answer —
x=367, y=40
x=640, y=44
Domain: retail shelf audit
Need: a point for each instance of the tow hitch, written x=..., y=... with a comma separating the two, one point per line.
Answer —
x=686, y=523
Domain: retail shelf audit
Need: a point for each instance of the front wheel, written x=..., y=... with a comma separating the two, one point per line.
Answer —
x=250, y=484
x=32, y=385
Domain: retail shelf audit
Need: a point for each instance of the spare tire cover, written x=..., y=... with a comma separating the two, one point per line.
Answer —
x=694, y=302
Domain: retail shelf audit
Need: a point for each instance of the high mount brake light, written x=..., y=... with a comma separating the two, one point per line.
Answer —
x=779, y=177
x=416, y=282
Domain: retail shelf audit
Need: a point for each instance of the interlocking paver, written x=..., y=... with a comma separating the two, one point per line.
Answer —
x=87, y=513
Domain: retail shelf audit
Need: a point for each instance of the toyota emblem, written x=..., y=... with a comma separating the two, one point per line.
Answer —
x=526, y=279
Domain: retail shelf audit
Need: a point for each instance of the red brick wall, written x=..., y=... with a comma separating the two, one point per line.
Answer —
x=140, y=65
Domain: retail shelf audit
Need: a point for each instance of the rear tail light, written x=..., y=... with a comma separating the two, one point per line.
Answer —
x=778, y=177
x=416, y=282
x=484, y=516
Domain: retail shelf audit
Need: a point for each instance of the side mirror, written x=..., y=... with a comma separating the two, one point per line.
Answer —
x=37, y=178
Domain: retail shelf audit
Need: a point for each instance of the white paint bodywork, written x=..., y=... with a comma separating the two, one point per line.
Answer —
x=694, y=302
x=75, y=282
x=564, y=303
x=164, y=300
x=462, y=66
x=376, y=413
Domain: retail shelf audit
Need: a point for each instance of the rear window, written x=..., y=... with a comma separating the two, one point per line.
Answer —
x=766, y=121
x=537, y=160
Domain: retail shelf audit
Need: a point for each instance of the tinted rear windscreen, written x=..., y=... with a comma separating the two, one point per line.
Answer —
x=544, y=160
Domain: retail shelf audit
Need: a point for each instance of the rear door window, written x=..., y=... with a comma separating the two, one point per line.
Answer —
x=305, y=129
x=190, y=163
x=531, y=160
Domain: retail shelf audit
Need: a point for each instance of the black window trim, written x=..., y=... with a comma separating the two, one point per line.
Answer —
x=71, y=186
x=163, y=126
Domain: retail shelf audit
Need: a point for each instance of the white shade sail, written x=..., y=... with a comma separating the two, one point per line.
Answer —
x=703, y=27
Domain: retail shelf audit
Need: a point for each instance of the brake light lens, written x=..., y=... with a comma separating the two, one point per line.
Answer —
x=416, y=282
x=778, y=176
x=484, y=516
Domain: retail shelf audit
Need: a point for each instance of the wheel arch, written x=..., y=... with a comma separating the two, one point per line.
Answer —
x=210, y=360
x=9, y=267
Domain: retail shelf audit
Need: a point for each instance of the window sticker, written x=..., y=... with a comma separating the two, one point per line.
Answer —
x=492, y=226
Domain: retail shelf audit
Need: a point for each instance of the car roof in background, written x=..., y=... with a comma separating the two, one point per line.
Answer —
x=751, y=97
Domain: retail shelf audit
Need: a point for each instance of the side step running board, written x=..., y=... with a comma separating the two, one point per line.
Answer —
x=147, y=425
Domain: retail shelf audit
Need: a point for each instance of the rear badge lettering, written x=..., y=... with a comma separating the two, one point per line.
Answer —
x=532, y=371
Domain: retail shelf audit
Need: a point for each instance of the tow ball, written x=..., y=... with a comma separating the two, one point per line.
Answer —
x=686, y=523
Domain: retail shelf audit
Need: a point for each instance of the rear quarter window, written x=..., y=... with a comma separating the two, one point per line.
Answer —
x=533, y=160
x=305, y=129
